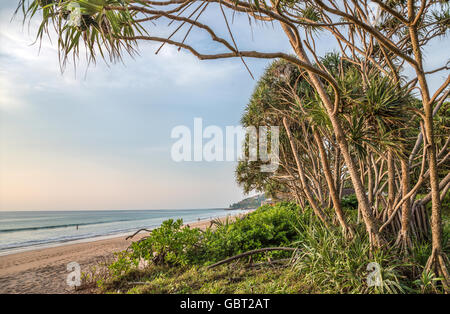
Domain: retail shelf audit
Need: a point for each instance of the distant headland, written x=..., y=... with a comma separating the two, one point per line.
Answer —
x=249, y=202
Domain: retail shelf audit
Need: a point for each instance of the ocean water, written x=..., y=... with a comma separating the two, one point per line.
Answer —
x=21, y=231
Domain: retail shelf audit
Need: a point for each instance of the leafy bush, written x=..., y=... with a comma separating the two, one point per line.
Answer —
x=170, y=244
x=265, y=227
x=173, y=244
x=350, y=201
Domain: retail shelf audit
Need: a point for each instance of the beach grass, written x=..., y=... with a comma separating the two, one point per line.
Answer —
x=191, y=279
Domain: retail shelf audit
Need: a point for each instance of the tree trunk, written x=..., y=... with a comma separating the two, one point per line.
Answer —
x=437, y=259
x=391, y=183
x=376, y=240
x=301, y=174
x=403, y=239
x=337, y=171
x=369, y=180
x=347, y=230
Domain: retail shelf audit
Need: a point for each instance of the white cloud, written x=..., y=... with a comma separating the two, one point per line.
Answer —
x=27, y=68
x=8, y=100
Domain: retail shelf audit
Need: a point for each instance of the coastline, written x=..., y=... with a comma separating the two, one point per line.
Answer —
x=43, y=270
x=56, y=243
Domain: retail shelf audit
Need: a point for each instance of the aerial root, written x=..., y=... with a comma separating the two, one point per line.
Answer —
x=348, y=232
x=404, y=243
x=249, y=253
x=437, y=263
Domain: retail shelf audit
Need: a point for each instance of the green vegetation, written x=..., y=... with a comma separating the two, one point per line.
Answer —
x=349, y=201
x=174, y=245
x=175, y=259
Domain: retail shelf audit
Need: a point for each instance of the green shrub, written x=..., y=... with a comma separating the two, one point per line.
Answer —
x=170, y=244
x=350, y=201
x=267, y=226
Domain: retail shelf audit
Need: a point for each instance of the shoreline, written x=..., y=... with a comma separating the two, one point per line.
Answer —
x=22, y=249
x=43, y=270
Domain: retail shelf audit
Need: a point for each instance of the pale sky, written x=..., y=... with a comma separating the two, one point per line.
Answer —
x=102, y=140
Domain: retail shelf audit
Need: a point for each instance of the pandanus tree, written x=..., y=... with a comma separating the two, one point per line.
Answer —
x=391, y=41
x=373, y=115
x=380, y=117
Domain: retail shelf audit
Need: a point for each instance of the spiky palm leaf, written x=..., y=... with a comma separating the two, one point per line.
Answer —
x=99, y=30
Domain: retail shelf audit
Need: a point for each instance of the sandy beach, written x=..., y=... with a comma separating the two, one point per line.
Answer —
x=44, y=270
